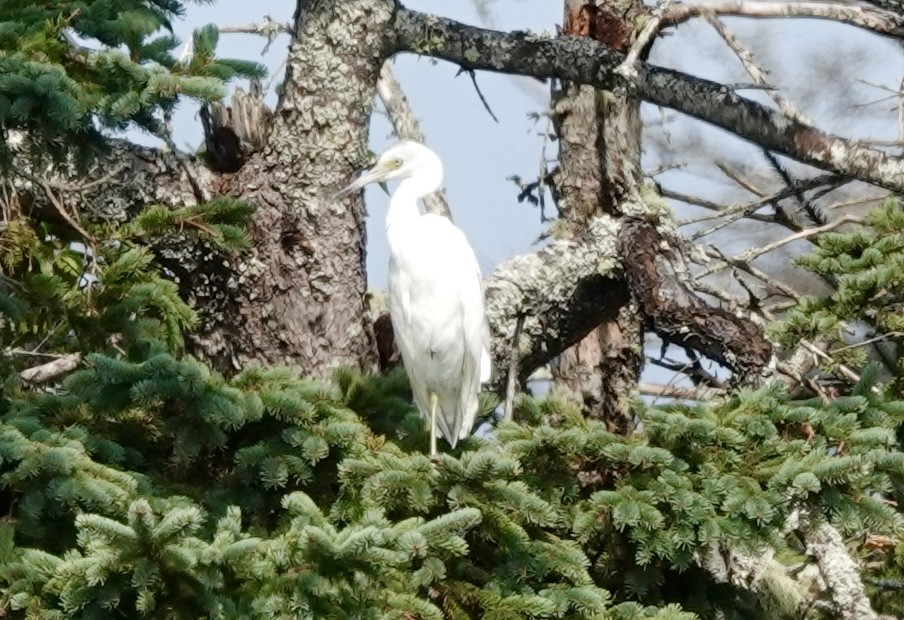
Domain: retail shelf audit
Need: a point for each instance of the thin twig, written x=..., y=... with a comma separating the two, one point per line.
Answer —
x=511, y=379
x=651, y=29
x=737, y=212
x=483, y=99
x=758, y=74
x=751, y=254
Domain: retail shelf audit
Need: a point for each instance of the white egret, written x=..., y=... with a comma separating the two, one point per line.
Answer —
x=436, y=302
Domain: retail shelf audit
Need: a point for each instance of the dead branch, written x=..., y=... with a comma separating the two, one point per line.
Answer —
x=51, y=370
x=583, y=60
x=753, y=253
x=755, y=72
x=876, y=20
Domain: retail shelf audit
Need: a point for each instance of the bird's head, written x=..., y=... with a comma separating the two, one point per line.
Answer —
x=405, y=160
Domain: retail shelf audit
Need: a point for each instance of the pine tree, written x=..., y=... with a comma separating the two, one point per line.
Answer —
x=147, y=485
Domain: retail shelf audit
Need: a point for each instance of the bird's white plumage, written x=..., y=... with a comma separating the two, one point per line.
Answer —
x=436, y=301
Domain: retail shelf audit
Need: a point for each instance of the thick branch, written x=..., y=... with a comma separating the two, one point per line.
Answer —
x=657, y=276
x=563, y=291
x=580, y=59
x=840, y=571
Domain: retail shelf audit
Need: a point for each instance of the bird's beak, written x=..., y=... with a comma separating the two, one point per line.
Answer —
x=376, y=174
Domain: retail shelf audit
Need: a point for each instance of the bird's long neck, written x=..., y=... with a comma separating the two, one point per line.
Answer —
x=403, y=204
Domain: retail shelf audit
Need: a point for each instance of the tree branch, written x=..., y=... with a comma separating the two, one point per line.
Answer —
x=562, y=292
x=876, y=20
x=657, y=276
x=838, y=569
x=580, y=59
x=51, y=370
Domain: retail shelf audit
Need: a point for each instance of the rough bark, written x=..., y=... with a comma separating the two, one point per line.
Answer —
x=599, y=166
x=657, y=276
x=838, y=569
x=298, y=297
x=561, y=291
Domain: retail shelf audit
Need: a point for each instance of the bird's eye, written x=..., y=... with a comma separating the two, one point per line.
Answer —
x=395, y=163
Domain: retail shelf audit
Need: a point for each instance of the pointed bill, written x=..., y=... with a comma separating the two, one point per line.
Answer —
x=374, y=175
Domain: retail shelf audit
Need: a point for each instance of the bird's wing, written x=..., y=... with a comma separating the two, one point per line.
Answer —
x=461, y=273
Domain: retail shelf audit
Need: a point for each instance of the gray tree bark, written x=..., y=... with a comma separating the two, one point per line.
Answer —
x=599, y=167
x=298, y=297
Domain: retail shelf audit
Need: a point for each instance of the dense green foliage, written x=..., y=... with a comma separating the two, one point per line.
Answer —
x=70, y=69
x=145, y=485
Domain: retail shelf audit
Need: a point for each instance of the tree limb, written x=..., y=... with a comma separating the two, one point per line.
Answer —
x=657, y=276
x=580, y=59
x=876, y=20
x=838, y=569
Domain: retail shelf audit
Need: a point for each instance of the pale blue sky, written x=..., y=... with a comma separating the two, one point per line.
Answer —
x=818, y=63
x=820, y=66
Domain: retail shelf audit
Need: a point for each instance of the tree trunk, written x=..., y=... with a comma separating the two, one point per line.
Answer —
x=298, y=296
x=599, y=166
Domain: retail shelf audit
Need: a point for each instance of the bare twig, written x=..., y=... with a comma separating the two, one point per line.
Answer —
x=876, y=20
x=512, y=378
x=650, y=30
x=674, y=391
x=266, y=28
x=751, y=254
x=743, y=265
x=758, y=74
x=51, y=370
x=736, y=212
x=696, y=201
x=483, y=99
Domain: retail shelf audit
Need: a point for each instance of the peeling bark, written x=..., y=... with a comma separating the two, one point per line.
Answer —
x=657, y=275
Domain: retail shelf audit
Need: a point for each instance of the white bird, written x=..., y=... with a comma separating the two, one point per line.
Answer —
x=436, y=302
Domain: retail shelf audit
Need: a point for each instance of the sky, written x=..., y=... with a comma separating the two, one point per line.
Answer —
x=834, y=73
x=816, y=62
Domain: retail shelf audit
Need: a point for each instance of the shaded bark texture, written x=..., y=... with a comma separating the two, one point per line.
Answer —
x=298, y=297
x=599, y=166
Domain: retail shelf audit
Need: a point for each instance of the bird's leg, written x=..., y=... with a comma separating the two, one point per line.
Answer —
x=433, y=403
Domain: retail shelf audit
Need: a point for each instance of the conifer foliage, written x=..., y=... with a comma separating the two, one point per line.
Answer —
x=144, y=485
x=72, y=68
